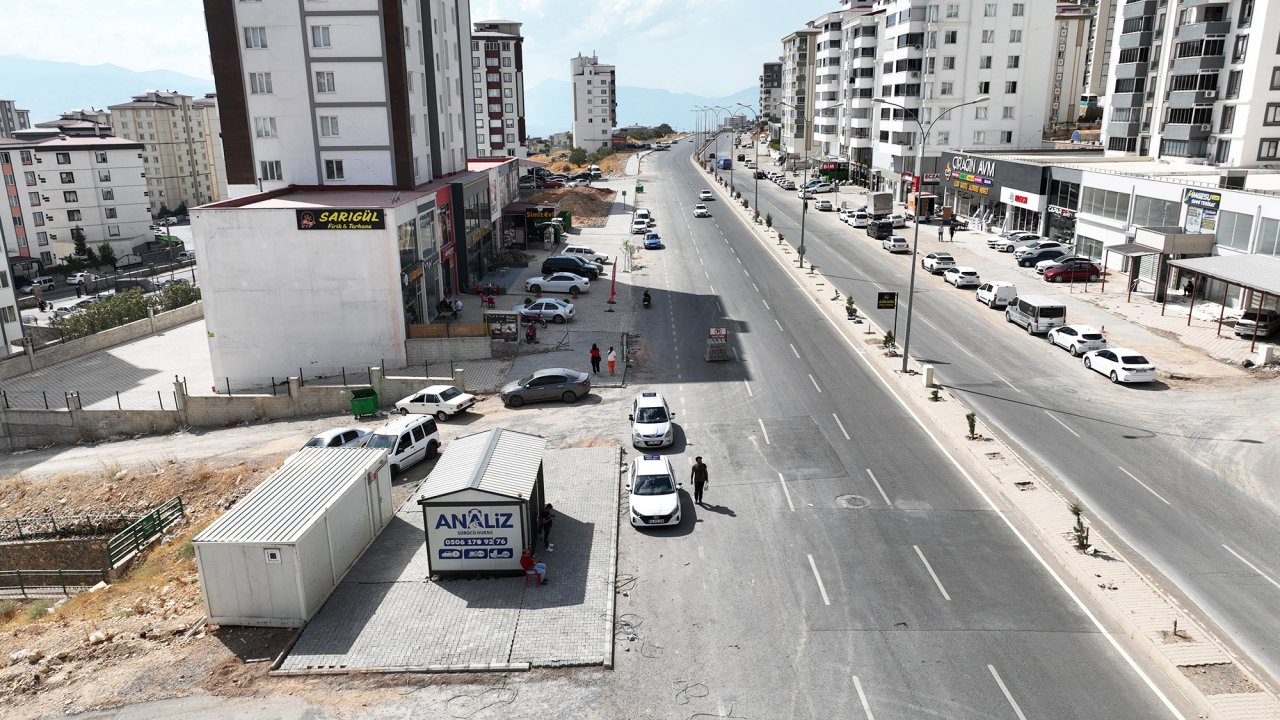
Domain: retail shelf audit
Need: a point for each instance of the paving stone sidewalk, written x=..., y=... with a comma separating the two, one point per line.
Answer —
x=388, y=615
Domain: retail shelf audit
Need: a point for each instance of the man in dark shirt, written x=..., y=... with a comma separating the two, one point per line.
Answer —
x=699, y=477
x=545, y=518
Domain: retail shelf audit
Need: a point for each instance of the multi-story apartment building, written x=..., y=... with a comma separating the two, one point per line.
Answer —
x=796, y=105
x=595, y=102
x=63, y=189
x=497, y=77
x=12, y=119
x=341, y=92
x=1098, y=66
x=80, y=122
x=858, y=115
x=1071, y=36
x=1187, y=86
x=206, y=109
x=770, y=90
x=828, y=83
x=179, y=147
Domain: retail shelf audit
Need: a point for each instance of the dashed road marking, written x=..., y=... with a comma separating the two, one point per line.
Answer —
x=932, y=574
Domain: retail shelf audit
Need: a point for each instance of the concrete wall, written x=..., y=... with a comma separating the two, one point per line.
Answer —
x=69, y=553
x=442, y=350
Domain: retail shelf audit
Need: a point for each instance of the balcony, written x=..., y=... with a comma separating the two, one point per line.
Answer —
x=1191, y=98
x=1123, y=129
x=1128, y=41
x=1197, y=64
x=1126, y=100
x=1186, y=131
x=1143, y=8
x=1127, y=71
x=1197, y=31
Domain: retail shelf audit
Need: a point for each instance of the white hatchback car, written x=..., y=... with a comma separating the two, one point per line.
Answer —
x=1079, y=339
x=653, y=492
x=585, y=253
x=639, y=226
x=1122, y=365
x=651, y=421
x=443, y=401
x=701, y=210
x=706, y=195
x=895, y=244
x=962, y=276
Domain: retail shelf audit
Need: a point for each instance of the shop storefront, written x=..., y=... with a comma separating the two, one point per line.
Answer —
x=995, y=193
x=477, y=252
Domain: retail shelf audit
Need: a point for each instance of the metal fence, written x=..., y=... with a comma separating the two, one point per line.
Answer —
x=49, y=526
x=27, y=583
x=89, y=399
x=142, y=533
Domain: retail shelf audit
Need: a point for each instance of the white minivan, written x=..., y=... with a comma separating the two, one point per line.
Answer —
x=1037, y=314
x=408, y=440
x=996, y=293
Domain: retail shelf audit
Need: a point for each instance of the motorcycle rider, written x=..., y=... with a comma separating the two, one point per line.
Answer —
x=646, y=299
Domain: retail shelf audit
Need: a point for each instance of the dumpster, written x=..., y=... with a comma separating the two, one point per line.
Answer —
x=364, y=402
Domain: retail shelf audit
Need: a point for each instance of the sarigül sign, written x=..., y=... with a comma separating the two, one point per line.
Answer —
x=344, y=219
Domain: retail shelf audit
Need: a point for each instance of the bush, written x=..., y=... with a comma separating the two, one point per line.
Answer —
x=38, y=609
x=578, y=156
x=9, y=610
x=124, y=308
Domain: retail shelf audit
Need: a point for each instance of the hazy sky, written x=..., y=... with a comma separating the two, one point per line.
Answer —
x=711, y=47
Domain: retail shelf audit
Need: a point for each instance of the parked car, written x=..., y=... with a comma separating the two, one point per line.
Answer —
x=759, y=175
x=558, y=282
x=442, y=401
x=706, y=195
x=186, y=256
x=1040, y=245
x=1027, y=258
x=653, y=241
x=996, y=293
x=339, y=437
x=546, y=384
x=1263, y=321
x=1073, y=272
x=1043, y=265
x=1078, y=339
x=787, y=185
x=937, y=262
x=81, y=278
x=858, y=218
x=895, y=244
x=1007, y=235
x=651, y=421
x=407, y=440
x=571, y=263
x=40, y=282
x=551, y=184
x=824, y=205
x=805, y=194
x=880, y=229
x=653, y=493
x=1122, y=365
x=585, y=253
x=898, y=219
x=701, y=210
x=1013, y=242
x=962, y=276
x=546, y=309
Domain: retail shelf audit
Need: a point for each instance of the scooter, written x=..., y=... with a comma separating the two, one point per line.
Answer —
x=646, y=300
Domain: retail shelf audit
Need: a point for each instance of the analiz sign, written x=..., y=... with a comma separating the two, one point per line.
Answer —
x=355, y=219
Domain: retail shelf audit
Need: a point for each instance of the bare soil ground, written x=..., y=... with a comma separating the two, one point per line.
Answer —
x=590, y=205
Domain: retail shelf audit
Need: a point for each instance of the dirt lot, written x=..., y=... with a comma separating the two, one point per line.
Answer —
x=590, y=205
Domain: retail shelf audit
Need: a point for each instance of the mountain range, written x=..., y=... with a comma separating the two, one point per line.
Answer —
x=49, y=88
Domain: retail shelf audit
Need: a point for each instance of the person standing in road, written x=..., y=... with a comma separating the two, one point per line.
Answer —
x=545, y=518
x=595, y=358
x=613, y=359
x=953, y=233
x=699, y=477
x=940, y=228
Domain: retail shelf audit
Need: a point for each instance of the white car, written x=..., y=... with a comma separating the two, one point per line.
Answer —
x=1014, y=242
x=338, y=437
x=558, y=282
x=805, y=194
x=1037, y=246
x=706, y=195
x=701, y=210
x=651, y=421
x=1122, y=365
x=823, y=187
x=585, y=253
x=40, y=282
x=1012, y=236
x=823, y=205
x=1079, y=339
x=895, y=244
x=858, y=218
x=653, y=493
x=186, y=256
x=937, y=262
x=639, y=226
x=443, y=401
x=787, y=184
x=898, y=219
x=962, y=276
x=546, y=309
x=81, y=278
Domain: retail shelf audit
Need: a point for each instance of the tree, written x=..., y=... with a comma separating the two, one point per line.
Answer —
x=106, y=255
x=664, y=130
x=578, y=156
x=90, y=257
x=81, y=244
x=182, y=209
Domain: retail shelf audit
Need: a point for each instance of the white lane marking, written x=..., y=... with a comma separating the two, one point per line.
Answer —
x=701, y=555
x=1007, y=696
x=1055, y=419
x=738, y=259
x=965, y=350
x=1148, y=487
x=866, y=708
x=932, y=574
x=793, y=350
x=713, y=287
x=1253, y=567
x=705, y=275
x=815, y=383
x=766, y=432
x=821, y=588
x=841, y=425
x=883, y=494
x=786, y=492
x=766, y=304
x=748, y=386
x=775, y=322
x=1006, y=382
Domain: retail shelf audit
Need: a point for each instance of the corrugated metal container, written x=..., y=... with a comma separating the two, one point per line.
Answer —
x=274, y=557
x=480, y=503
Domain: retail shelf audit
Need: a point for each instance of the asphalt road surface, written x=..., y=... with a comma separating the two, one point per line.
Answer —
x=1118, y=448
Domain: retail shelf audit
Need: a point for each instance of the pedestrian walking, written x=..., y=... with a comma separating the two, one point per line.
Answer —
x=613, y=359
x=953, y=233
x=699, y=477
x=1186, y=291
x=940, y=228
x=79, y=290
x=532, y=564
x=545, y=518
x=595, y=358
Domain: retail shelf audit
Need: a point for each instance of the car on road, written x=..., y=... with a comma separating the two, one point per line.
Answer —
x=787, y=184
x=81, y=278
x=701, y=210
x=585, y=253
x=186, y=256
x=68, y=310
x=824, y=205
x=895, y=244
x=805, y=194
x=1263, y=321
x=653, y=241
x=1028, y=258
x=1073, y=272
x=550, y=184
x=546, y=384
x=962, y=276
x=639, y=225
x=1043, y=265
x=1078, y=339
x=558, y=282
x=1014, y=242
x=651, y=418
x=40, y=282
x=858, y=218
x=443, y=401
x=575, y=264
x=528, y=182
x=546, y=309
x=339, y=437
x=937, y=262
x=759, y=175
x=706, y=195
x=1122, y=365
x=996, y=293
x=653, y=493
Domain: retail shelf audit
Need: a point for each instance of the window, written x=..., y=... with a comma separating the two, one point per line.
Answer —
x=104, y=176
x=255, y=37
x=949, y=62
x=944, y=138
x=979, y=137
x=988, y=36
x=1015, y=36
x=26, y=157
x=984, y=62
x=511, y=137
x=1011, y=87
x=70, y=196
x=8, y=314
x=475, y=62
x=34, y=199
x=270, y=170
x=1153, y=212
x=1014, y=61
x=1269, y=149
x=333, y=169
x=1275, y=80
x=108, y=194
x=945, y=88
x=37, y=218
x=64, y=158
x=506, y=92
x=1105, y=203
x=980, y=113
x=1006, y=137
x=1238, y=50
x=260, y=83
x=320, y=36
x=42, y=238
x=100, y=155
x=325, y=82
x=950, y=37
x=1234, y=228
x=110, y=212
x=506, y=61
x=328, y=126
x=984, y=88
x=506, y=107
x=953, y=11
x=264, y=127
x=1270, y=117
x=989, y=10
x=1019, y=9
x=73, y=216
x=113, y=230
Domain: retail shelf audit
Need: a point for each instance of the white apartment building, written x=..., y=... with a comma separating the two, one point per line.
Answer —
x=796, y=105
x=12, y=119
x=859, y=57
x=313, y=93
x=208, y=116
x=1071, y=37
x=62, y=188
x=595, y=102
x=770, y=90
x=1098, y=66
x=181, y=149
x=80, y=122
x=828, y=83
x=497, y=77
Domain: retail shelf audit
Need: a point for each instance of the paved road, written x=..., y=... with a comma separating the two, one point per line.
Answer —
x=841, y=561
x=1120, y=449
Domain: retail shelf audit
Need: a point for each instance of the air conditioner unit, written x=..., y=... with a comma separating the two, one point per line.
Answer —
x=915, y=74
x=39, y=160
x=41, y=179
x=1206, y=128
x=1211, y=93
x=45, y=198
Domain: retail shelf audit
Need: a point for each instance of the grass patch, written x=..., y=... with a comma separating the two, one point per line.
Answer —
x=9, y=609
x=38, y=609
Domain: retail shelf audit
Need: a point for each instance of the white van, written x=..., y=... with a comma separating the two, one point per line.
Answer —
x=594, y=170
x=1037, y=314
x=407, y=440
x=996, y=293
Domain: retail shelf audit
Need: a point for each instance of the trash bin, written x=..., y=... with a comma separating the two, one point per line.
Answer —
x=364, y=402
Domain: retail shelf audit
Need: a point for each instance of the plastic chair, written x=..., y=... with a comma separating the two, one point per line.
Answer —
x=534, y=575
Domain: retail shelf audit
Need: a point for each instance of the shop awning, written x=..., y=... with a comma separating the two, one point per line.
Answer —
x=1254, y=272
x=1131, y=250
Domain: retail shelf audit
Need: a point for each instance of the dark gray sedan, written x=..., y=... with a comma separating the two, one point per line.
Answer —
x=546, y=384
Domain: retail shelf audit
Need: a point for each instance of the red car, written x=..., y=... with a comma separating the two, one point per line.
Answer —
x=545, y=184
x=1072, y=272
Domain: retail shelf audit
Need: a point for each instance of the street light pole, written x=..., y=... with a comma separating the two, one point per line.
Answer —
x=804, y=211
x=915, y=243
x=755, y=120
